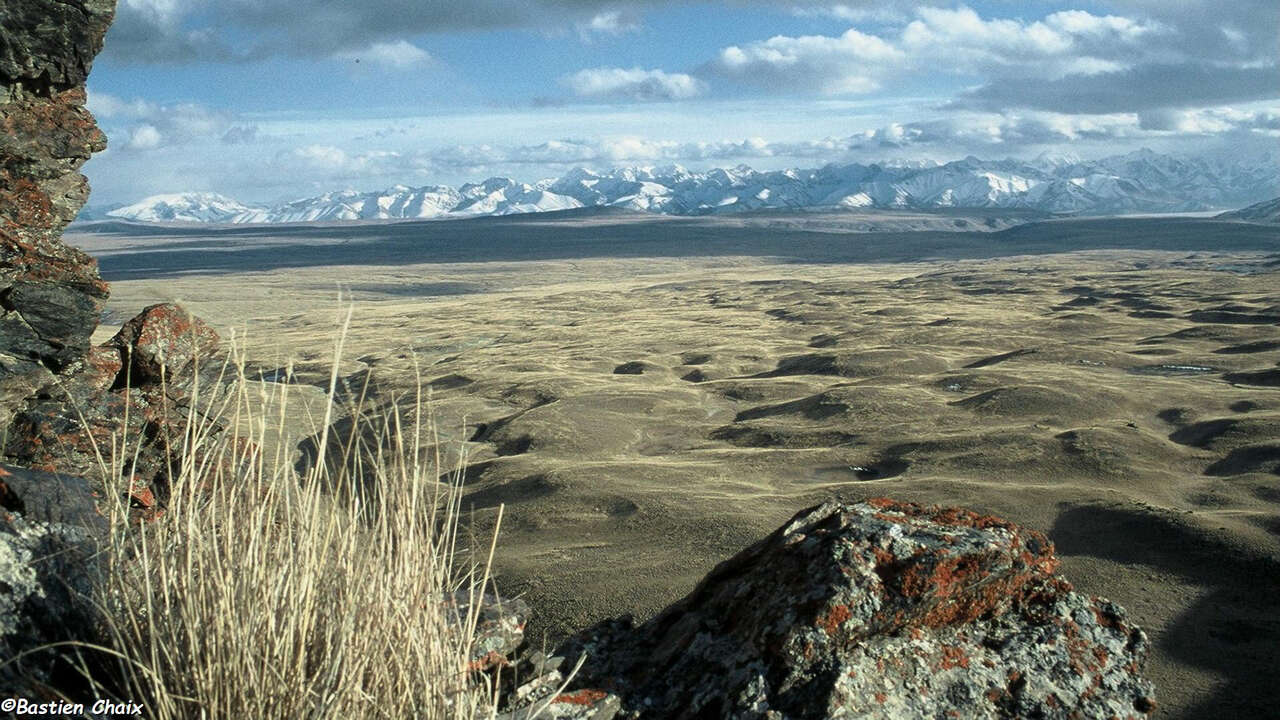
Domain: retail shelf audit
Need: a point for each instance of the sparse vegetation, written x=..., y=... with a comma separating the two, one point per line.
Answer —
x=257, y=594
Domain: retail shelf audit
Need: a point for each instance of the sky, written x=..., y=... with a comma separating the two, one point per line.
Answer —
x=271, y=100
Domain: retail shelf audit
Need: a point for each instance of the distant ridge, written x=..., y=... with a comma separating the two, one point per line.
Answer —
x=1267, y=211
x=1139, y=182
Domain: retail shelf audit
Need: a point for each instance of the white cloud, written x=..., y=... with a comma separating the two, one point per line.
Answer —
x=104, y=105
x=1212, y=121
x=146, y=126
x=287, y=159
x=161, y=12
x=877, y=12
x=1079, y=22
x=326, y=157
x=145, y=137
x=939, y=41
x=142, y=126
x=851, y=63
x=608, y=22
x=942, y=138
x=398, y=55
x=320, y=164
x=160, y=31
x=634, y=84
x=1068, y=42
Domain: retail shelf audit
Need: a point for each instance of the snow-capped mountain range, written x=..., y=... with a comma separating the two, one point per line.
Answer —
x=1141, y=181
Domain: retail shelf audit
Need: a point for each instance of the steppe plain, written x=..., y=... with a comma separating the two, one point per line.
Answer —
x=648, y=395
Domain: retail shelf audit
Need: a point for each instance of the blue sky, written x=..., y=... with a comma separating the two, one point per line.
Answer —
x=267, y=100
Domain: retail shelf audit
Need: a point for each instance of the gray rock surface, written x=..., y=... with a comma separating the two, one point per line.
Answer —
x=50, y=298
x=50, y=44
x=877, y=610
x=50, y=294
x=49, y=535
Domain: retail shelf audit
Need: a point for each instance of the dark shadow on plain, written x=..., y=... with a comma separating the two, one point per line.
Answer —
x=234, y=249
x=1232, y=631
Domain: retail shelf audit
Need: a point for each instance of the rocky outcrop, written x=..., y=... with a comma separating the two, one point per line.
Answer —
x=50, y=294
x=53, y=385
x=877, y=609
x=63, y=404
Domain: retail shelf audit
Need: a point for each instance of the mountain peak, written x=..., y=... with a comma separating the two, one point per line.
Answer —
x=202, y=207
x=1140, y=181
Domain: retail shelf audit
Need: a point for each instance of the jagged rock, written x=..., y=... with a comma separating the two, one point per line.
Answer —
x=877, y=610
x=49, y=535
x=49, y=43
x=50, y=294
x=50, y=298
x=63, y=403
x=528, y=681
x=49, y=498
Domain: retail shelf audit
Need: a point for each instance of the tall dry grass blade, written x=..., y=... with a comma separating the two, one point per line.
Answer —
x=263, y=594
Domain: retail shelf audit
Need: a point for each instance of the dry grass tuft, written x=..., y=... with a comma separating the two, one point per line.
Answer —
x=256, y=595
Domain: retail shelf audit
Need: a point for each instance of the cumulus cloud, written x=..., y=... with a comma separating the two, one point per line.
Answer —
x=146, y=126
x=1160, y=55
x=936, y=138
x=939, y=138
x=851, y=63
x=398, y=55
x=1149, y=55
x=104, y=105
x=144, y=137
x=634, y=84
x=330, y=167
x=1214, y=32
x=280, y=165
x=1211, y=121
x=938, y=41
x=1072, y=42
x=156, y=31
x=1133, y=56
x=880, y=12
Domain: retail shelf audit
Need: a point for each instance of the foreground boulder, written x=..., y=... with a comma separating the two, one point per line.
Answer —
x=877, y=609
x=138, y=386
x=164, y=344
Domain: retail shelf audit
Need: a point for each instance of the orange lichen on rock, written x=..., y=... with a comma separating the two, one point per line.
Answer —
x=953, y=656
x=834, y=618
x=581, y=697
x=850, y=601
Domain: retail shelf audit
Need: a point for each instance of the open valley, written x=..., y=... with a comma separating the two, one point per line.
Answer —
x=645, y=396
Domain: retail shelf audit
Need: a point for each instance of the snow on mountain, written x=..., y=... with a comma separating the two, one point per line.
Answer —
x=1141, y=181
x=503, y=196
x=203, y=207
